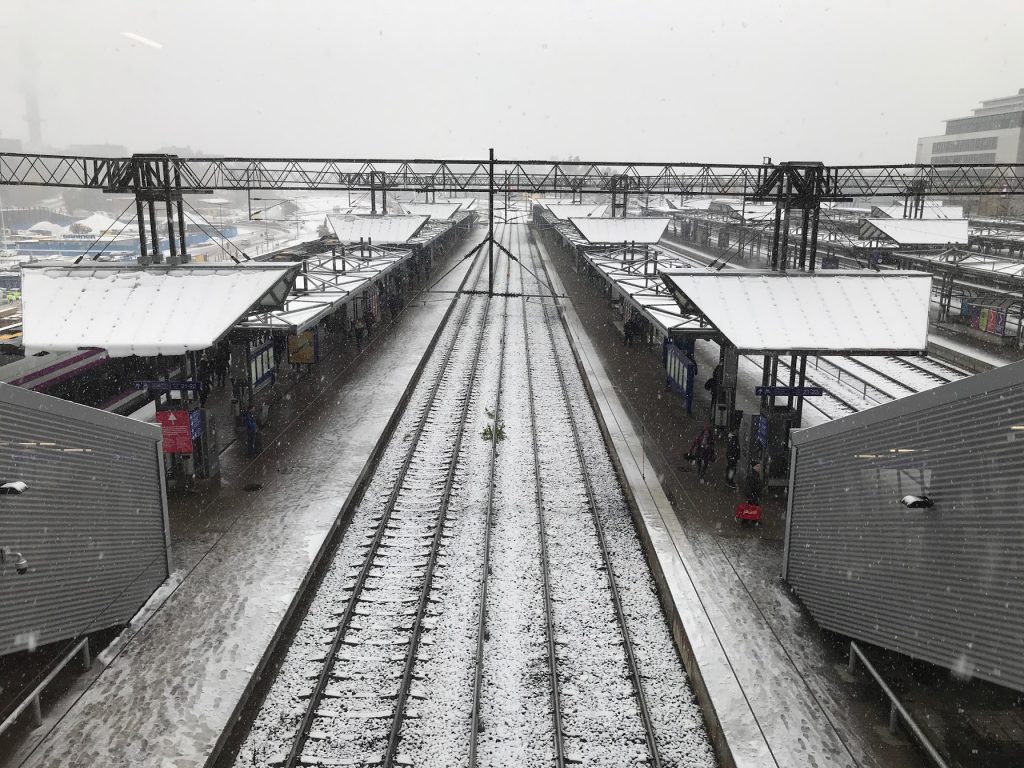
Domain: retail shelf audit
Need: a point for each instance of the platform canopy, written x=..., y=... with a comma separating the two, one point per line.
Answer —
x=571, y=210
x=442, y=211
x=381, y=230
x=642, y=230
x=830, y=312
x=157, y=310
x=916, y=231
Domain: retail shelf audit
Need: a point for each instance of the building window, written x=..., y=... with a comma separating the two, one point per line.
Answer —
x=964, y=145
x=980, y=158
x=986, y=123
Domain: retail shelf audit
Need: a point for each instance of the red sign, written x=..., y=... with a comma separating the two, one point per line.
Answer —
x=177, y=431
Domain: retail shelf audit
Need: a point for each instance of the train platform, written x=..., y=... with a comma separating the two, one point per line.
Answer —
x=774, y=688
x=968, y=353
x=242, y=548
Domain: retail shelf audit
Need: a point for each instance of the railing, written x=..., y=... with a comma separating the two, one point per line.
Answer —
x=897, y=712
x=33, y=699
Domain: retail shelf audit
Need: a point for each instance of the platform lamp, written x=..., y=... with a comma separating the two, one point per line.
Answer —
x=15, y=488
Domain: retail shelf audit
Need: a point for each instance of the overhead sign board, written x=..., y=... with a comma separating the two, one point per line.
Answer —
x=788, y=391
x=177, y=429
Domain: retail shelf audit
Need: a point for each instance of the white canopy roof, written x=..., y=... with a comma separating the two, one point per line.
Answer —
x=569, y=210
x=863, y=312
x=916, y=231
x=382, y=230
x=132, y=311
x=932, y=209
x=442, y=211
x=628, y=230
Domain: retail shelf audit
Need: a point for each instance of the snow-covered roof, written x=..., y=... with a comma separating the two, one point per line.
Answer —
x=130, y=311
x=693, y=204
x=321, y=288
x=465, y=203
x=916, y=231
x=570, y=210
x=626, y=230
x=863, y=312
x=381, y=230
x=47, y=228
x=443, y=211
x=99, y=224
x=930, y=210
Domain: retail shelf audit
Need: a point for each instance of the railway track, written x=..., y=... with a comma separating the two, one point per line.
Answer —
x=489, y=604
x=397, y=573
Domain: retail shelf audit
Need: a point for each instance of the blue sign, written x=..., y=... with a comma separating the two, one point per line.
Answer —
x=195, y=423
x=787, y=391
x=168, y=386
x=762, y=430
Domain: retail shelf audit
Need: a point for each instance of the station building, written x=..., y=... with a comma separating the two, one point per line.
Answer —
x=994, y=133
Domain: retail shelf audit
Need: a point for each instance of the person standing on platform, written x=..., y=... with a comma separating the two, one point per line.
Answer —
x=252, y=431
x=732, y=459
x=627, y=332
x=754, y=484
x=703, y=451
x=220, y=365
x=359, y=329
x=205, y=375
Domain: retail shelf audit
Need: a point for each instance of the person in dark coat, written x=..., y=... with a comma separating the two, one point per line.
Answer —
x=220, y=365
x=627, y=332
x=205, y=376
x=732, y=459
x=252, y=431
x=754, y=484
x=703, y=451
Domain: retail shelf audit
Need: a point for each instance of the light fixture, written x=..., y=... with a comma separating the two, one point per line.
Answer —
x=20, y=563
x=917, y=502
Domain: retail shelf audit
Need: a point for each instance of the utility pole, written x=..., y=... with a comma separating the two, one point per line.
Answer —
x=490, y=225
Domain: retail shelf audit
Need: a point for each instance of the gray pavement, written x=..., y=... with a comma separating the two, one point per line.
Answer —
x=774, y=685
x=242, y=548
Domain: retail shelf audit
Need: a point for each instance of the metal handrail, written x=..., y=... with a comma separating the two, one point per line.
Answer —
x=81, y=647
x=897, y=711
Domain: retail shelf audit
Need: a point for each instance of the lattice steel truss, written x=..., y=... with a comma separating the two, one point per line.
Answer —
x=199, y=175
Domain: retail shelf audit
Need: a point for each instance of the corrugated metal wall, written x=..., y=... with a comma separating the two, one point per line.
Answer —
x=92, y=524
x=944, y=584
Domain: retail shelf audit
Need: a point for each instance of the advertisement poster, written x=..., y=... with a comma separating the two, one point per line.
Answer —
x=303, y=349
x=177, y=429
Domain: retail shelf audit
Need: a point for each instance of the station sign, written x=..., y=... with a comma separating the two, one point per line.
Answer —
x=762, y=430
x=168, y=386
x=177, y=429
x=788, y=391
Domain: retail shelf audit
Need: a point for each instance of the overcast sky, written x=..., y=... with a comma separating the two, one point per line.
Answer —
x=715, y=81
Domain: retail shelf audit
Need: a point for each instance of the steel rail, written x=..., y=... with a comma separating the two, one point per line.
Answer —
x=828, y=393
x=391, y=751
x=928, y=372
x=478, y=675
x=880, y=373
x=549, y=622
x=627, y=643
x=305, y=724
